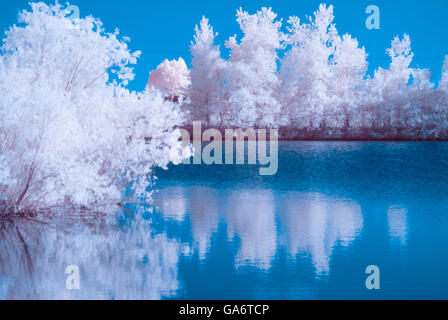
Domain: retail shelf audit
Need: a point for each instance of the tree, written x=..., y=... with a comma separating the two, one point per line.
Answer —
x=251, y=79
x=442, y=101
x=322, y=89
x=389, y=87
x=71, y=135
x=207, y=83
x=443, y=85
x=348, y=71
x=306, y=69
x=171, y=77
x=442, y=89
x=420, y=118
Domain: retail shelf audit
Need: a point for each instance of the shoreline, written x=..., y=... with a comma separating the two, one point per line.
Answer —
x=328, y=134
x=365, y=140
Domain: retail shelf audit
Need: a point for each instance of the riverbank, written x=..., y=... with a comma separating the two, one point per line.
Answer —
x=333, y=134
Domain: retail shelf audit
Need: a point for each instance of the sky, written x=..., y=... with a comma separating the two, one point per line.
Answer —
x=164, y=29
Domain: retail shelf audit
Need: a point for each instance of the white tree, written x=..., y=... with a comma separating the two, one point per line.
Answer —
x=421, y=116
x=389, y=87
x=322, y=89
x=251, y=78
x=429, y=112
x=442, y=101
x=443, y=85
x=442, y=89
x=348, y=73
x=306, y=69
x=171, y=77
x=207, y=83
x=71, y=135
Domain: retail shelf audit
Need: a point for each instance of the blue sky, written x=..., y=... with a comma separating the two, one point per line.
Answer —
x=164, y=29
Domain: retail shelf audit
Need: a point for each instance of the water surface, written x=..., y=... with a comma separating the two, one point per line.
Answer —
x=225, y=232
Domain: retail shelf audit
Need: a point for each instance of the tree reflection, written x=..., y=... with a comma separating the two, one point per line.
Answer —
x=251, y=217
x=398, y=224
x=314, y=225
x=115, y=262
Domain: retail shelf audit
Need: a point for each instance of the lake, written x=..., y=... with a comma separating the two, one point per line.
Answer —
x=226, y=232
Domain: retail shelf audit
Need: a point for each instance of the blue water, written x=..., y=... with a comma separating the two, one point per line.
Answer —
x=225, y=232
x=310, y=231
